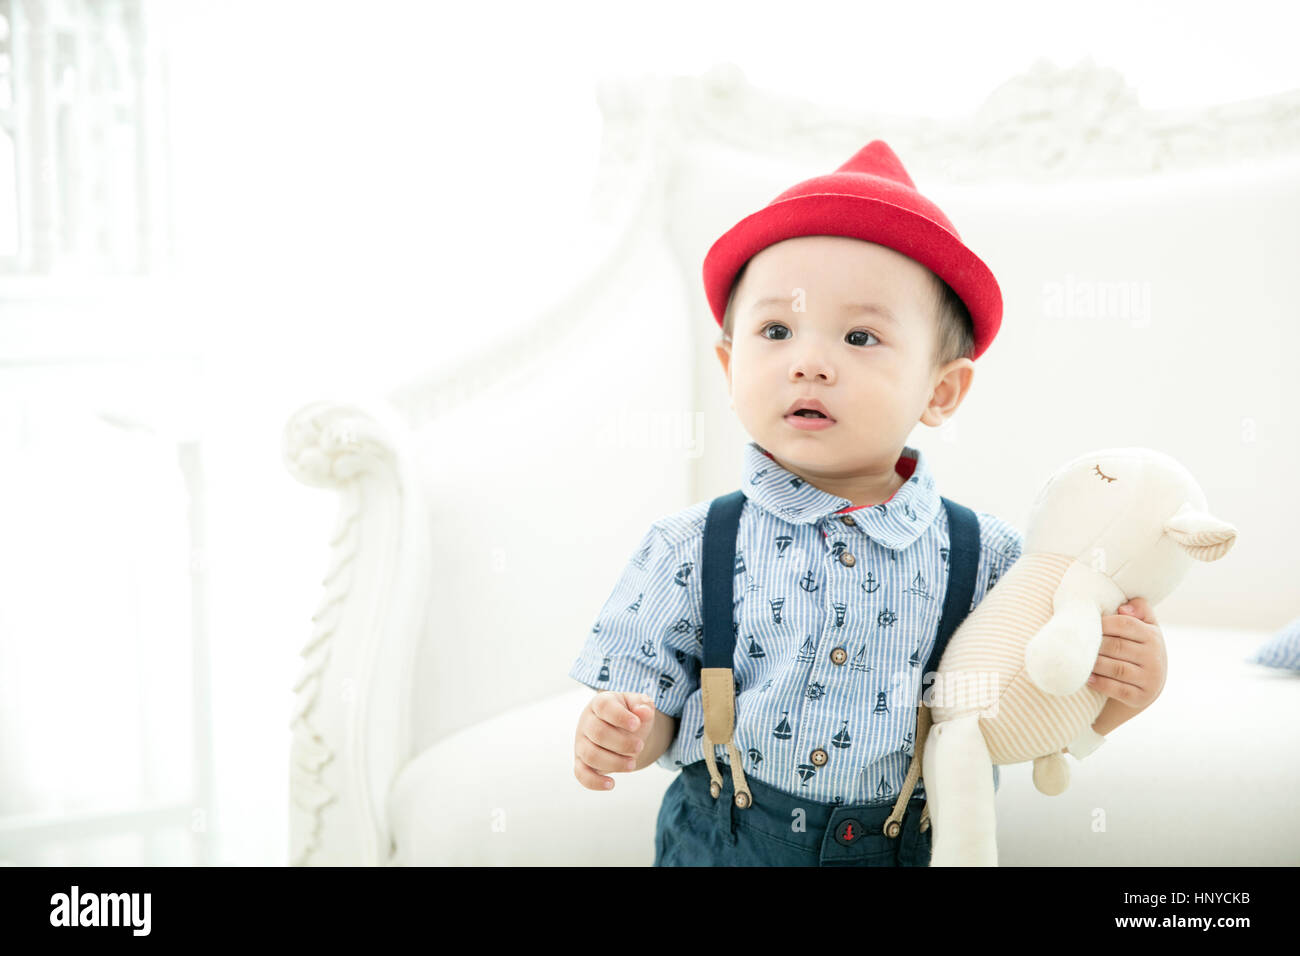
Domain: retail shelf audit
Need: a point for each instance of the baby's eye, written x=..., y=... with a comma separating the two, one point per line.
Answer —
x=850, y=337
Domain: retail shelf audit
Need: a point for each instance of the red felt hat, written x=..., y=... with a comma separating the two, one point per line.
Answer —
x=870, y=197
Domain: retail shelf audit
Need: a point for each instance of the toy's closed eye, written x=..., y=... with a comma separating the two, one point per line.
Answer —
x=1107, y=477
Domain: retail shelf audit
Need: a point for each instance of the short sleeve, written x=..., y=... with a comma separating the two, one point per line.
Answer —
x=645, y=638
x=1001, y=544
x=1008, y=555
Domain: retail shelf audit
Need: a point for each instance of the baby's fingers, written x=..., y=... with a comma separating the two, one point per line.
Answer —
x=602, y=760
x=613, y=738
x=589, y=778
x=615, y=709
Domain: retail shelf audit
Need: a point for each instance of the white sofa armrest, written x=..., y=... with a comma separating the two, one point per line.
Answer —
x=351, y=728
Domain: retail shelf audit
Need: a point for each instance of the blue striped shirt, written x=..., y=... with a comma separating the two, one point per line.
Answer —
x=828, y=656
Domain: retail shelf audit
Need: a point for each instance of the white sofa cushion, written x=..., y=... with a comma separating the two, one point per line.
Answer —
x=1206, y=776
x=503, y=793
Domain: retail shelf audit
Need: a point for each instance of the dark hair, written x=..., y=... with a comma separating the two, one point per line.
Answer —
x=956, y=338
x=727, y=322
x=956, y=333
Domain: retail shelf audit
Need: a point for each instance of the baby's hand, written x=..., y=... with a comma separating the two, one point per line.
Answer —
x=611, y=730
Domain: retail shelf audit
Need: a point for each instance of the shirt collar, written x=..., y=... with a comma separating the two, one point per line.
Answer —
x=895, y=523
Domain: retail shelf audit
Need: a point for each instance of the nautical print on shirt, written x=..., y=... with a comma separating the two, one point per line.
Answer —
x=833, y=621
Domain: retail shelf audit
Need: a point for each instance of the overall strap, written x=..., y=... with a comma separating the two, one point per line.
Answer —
x=963, y=566
x=717, y=685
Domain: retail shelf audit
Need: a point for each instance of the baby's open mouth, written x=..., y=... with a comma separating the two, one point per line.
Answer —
x=809, y=413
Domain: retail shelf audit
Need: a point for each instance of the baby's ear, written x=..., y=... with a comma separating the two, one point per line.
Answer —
x=723, y=352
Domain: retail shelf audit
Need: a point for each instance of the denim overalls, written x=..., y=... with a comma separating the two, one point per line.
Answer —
x=709, y=820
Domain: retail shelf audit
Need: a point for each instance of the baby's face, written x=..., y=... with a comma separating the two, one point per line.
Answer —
x=850, y=323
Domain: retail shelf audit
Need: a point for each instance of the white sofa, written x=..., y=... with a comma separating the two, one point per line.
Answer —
x=435, y=720
x=1207, y=776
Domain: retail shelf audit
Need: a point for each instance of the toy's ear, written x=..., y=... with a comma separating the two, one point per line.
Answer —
x=1203, y=536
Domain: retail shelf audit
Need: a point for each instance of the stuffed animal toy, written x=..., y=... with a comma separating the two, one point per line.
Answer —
x=1108, y=526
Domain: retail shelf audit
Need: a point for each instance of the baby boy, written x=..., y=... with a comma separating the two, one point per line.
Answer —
x=850, y=311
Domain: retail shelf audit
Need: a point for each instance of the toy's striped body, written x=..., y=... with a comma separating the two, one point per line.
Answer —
x=984, y=664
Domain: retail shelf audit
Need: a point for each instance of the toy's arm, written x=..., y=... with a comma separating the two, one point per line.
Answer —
x=1059, y=658
x=1085, y=743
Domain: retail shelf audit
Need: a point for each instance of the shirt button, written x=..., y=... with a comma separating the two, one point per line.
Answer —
x=818, y=757
x=847, y=559
x=848, y=520
x=839, y=655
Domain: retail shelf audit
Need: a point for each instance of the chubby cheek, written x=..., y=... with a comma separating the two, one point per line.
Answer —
x=747, y=397
x=747, y=378
x=752, y=401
